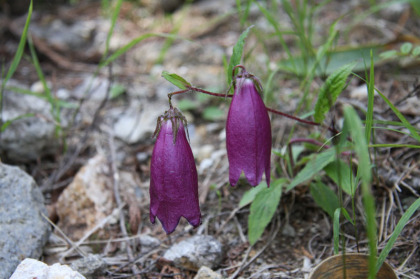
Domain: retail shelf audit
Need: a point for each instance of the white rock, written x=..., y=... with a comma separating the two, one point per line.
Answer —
x=87, y=200
x=135, y=124
x=360, y=93
x=30, y=268
x=27, y=138
x=194, y=252
x=206, y=273
x=38, y=86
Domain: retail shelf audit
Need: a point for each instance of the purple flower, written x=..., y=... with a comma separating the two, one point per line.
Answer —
x=173, y=174
x=248, y=132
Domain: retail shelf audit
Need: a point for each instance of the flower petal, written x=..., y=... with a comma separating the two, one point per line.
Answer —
x=248, y=134
x=173, y=181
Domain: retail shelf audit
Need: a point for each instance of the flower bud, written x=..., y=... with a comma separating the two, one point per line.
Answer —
x=248, y=133
x=173, y=174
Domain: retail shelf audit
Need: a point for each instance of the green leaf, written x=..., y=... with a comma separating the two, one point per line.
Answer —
x=262, y=209
x=114, y=18
x=324, y=197
x=415, y=4
x=313, y=167
x=371, y=91
x=340, y=169
x=19, y=51
x=235, y=59
x=336, y=230
x=352, y=121
x=389, y=54
x=401, y=224
x=416, y=51
x=406, y=48
x=213, y=113
x=330, y=90
x=8, y=122
x=116, y=90
x=249, y=195
x=347, y=215
x=404, y=121
x=129, y=46
x=176, y=80
x=353, y=124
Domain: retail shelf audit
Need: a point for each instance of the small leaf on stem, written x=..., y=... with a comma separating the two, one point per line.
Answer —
x=176, y=80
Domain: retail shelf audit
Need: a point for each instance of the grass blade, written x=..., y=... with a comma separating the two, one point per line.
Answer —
x=336, y=230
x=313, y=167
x=8, y=122
x=19, y=51
x=354, y=125
x=401, y=224
x=113, y=22
x=371, y=91
x=235, y=59
x=404, y=121
x=392, y=145
x=130, y=45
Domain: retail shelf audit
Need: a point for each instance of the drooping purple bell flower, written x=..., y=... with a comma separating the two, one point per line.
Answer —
x=173, y=174
x=248, y=132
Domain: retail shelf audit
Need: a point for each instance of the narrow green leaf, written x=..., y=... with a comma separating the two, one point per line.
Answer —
x=352, y=121
x=116, y=12
x=324, y=197
x=19, y=51
x=262, y=209
x=406, y=48
x=40, y=73
x=235, y=59
x=405, y=122
x=176, y=80
x=371, y=91
x=8, y=122
x=401, y=224
x=249, y=195
x=129, y=46
x=275, y=24
x=354, y=126
x=347, y=215
x=336, y=230
x=330, y=90
x=116, y=90
x=55, y=110
x=347, y=182
x=392, y=145
x=415, y=4
x=313, y=167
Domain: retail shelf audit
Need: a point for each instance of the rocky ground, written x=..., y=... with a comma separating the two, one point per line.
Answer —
x=90, y=160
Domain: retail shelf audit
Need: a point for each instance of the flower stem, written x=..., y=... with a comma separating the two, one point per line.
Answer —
x=195, y=89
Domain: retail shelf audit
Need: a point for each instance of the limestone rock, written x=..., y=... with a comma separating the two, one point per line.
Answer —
x=23, y=231
x=206, y=273
x=31, y=268
x=90, y=266
x=194, y=252
x=28, y=137
x=87, y=200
